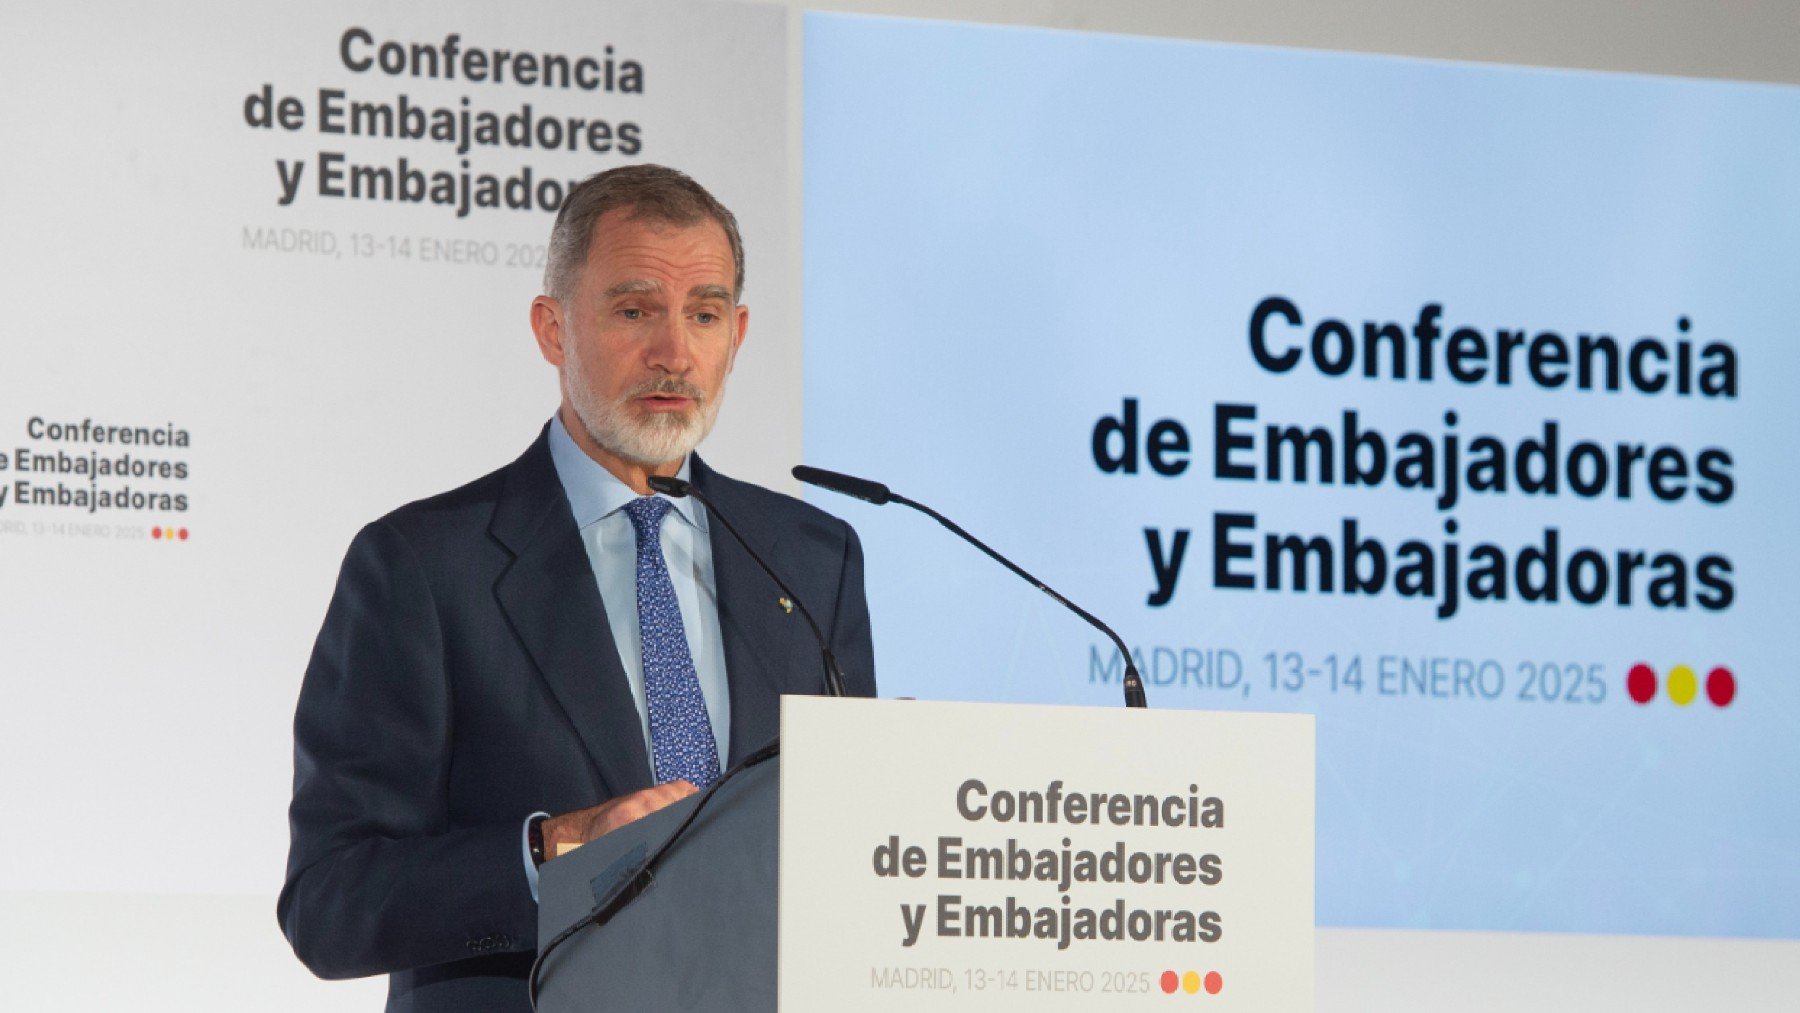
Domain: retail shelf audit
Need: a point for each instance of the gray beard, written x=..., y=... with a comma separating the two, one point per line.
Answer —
x=647, y=441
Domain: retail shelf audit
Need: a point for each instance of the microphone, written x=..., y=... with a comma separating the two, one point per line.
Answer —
x=878, y=494
x=834, y=675
x=860, y=488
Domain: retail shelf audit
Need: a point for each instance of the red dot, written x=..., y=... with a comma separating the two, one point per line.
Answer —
x=1170, y=982
x=1640, y=682
x=1721, y=687
x=155, y=533
x=184, y=534
x=1214, y=982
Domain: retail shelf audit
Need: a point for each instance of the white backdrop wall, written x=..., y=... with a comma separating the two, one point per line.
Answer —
x=202, y=318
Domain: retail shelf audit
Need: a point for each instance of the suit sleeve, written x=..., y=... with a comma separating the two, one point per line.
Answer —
x=378, y=879
x=851, y=639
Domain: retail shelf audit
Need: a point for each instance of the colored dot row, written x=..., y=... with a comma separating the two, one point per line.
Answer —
x=1192, y=982
x=1682, y=685
x=161, y=534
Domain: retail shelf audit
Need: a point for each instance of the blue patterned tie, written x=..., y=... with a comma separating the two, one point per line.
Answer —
x=681, y=738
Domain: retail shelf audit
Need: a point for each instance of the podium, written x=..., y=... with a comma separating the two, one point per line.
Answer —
x=904, y=855
x=700, y=937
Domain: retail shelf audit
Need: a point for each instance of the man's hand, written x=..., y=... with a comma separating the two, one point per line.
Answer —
x=583, y=825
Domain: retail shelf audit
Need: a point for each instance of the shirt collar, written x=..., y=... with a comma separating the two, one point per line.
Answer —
x=595, y=492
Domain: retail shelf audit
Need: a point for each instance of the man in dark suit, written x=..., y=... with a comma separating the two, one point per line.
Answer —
x=547, y=653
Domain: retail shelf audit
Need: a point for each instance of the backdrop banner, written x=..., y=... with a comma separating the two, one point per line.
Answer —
x=1453, y=404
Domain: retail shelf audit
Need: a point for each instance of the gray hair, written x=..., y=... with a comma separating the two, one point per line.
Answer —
x=654, y=193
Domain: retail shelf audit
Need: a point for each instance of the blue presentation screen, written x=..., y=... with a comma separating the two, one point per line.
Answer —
x=1454, y=404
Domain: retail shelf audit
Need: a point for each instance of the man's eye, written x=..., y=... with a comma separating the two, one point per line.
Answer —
x=631, y=314
x=706, y=318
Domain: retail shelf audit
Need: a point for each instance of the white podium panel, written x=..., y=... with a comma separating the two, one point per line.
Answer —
x=1007, y=857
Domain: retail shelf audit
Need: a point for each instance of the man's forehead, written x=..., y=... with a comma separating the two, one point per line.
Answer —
x=620, y=230
x=632, y=218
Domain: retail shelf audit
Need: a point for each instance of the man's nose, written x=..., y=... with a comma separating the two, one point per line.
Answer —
x=670, y=349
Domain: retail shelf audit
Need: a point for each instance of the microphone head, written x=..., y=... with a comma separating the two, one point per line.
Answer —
x=669, y=485
x=860, y=488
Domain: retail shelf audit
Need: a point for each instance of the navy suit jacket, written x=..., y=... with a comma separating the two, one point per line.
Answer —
x=466, y=677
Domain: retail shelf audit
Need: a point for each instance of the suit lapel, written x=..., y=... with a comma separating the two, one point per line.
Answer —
x=758, y=633
x=550, y=598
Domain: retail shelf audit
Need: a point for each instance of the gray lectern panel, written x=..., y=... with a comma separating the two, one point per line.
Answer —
x=702, y=937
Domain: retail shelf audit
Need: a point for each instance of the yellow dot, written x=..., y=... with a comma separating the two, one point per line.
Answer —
x=1682, y=685
x=1190, y=982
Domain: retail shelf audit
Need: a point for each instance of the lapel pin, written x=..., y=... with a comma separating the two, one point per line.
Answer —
x=787, y=605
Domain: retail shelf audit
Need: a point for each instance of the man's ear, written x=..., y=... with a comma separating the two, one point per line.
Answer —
x=742, y=313
x=551, y=327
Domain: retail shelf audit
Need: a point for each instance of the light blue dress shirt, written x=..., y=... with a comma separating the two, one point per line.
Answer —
x=598, y=501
